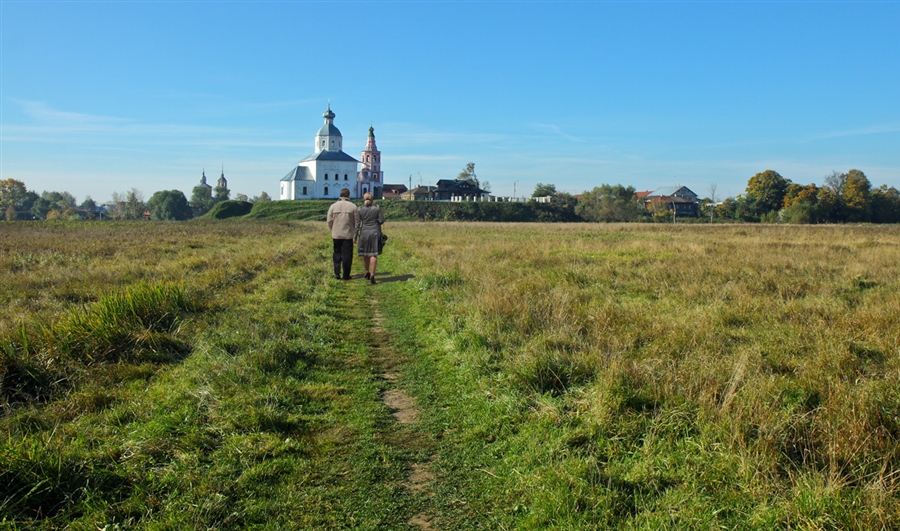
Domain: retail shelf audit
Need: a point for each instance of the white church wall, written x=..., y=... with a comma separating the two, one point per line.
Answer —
x=332, y=169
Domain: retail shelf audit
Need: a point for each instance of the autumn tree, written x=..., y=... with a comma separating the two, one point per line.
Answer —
x=855, y=197
x=849, y=195
x=12, y=194
x=801, y=204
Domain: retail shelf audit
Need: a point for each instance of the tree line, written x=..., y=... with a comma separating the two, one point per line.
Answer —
x=842, y=198
x=19, y=203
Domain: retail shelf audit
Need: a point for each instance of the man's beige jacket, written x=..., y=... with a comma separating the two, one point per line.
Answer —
x=342, y=219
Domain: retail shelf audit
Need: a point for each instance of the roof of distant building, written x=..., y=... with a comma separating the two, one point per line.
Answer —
x=396, y=188
x=669, y=199
x=329, y=130
x=460, y=185
x=670, y=191
x=299, y=173
x=329, y=155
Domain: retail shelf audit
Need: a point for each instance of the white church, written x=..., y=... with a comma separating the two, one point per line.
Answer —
x=328, y=170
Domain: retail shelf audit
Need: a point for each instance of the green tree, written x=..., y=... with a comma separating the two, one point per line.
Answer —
x=468, y=174
x=262, y=197
x=169, y=205
x=134, y=206
x=544, y=190
x=202, y=200
x=40, y=207
x=221, y=193
x=88, y=207
x=885, y=204
x=828, y=204
x=765, y=192
x=610, y=203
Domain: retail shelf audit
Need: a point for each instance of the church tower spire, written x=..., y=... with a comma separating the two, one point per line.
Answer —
x=370, y=178
x=223, y=183
x=329, y=137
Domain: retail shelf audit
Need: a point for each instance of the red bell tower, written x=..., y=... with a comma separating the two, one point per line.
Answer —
x=370, y=178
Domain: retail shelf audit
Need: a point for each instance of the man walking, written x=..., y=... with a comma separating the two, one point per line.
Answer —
x=342, y=222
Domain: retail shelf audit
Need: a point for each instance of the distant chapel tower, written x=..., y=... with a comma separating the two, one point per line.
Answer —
x=370, y=178
x=222, y=182
x=203, y=182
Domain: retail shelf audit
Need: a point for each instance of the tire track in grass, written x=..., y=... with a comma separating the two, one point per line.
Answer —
x=405, y=411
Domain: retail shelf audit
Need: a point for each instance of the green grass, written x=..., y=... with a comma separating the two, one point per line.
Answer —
x=569, y=377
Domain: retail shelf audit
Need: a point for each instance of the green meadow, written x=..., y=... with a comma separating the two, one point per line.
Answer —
x=213, y=375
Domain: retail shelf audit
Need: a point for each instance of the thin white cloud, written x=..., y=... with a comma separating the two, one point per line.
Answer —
x=43, y=113
x=56, y=126
x=557, y=131
x=861, y=131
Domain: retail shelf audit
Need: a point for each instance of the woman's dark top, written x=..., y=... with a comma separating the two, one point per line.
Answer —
x=368, y=225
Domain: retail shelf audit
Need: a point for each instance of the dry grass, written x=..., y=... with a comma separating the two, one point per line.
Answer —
x=778, y=346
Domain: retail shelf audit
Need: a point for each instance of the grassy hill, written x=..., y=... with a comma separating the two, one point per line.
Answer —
x=311, y=210
x=316, y=210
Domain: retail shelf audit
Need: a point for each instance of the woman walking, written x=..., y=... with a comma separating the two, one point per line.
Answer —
x=368, y=227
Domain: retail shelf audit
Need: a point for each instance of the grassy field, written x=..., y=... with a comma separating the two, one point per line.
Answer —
x=211, y=375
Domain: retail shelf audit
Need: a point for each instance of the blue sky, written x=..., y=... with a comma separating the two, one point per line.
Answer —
x=103, y=97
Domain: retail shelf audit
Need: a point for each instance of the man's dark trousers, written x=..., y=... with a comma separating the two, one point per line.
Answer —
x=343, y=255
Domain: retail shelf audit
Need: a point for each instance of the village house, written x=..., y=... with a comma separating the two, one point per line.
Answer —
x=457, y=190
x=394, y=191
x=680, y=198
x=419, y=193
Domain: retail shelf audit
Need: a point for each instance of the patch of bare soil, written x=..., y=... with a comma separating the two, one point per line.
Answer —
x=402, y=406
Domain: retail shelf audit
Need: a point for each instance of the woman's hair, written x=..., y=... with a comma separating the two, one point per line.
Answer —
x=367, y=198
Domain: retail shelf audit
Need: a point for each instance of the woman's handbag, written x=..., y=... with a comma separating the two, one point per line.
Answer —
x=382, y=241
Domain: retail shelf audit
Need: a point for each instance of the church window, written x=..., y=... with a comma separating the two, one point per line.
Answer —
x=326, y=176
x=345, y=176
x=304, y=190
x=326, y=190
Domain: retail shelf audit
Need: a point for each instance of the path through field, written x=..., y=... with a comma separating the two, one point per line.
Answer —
x=403, y=407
